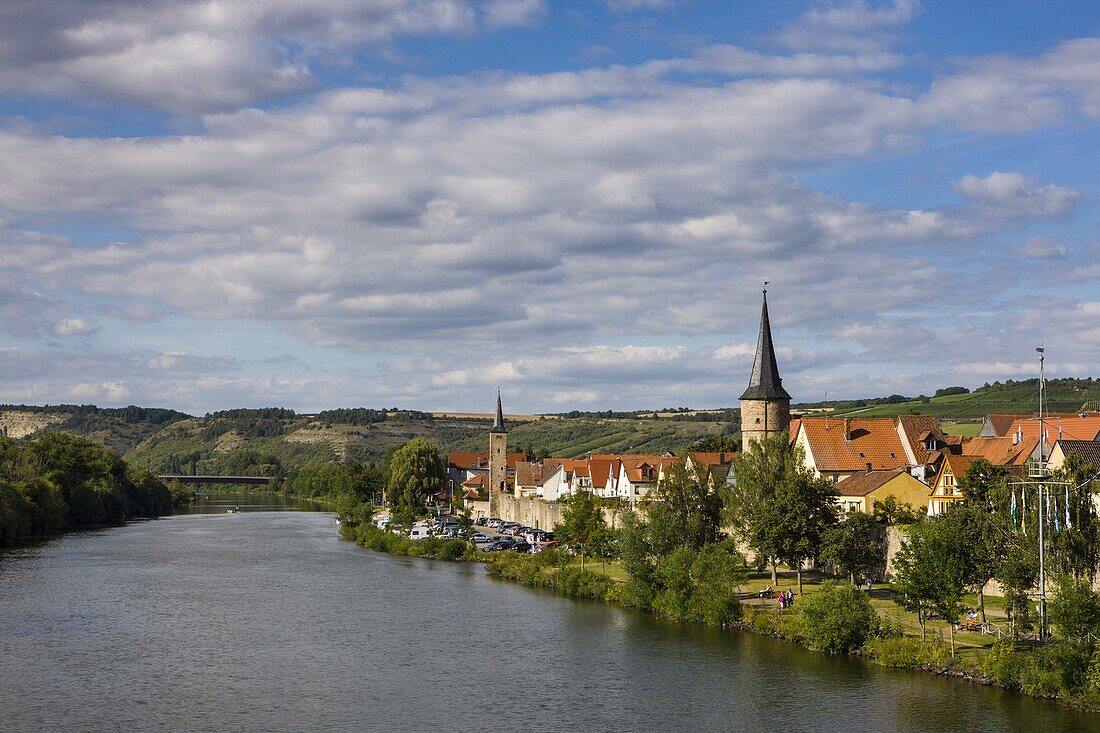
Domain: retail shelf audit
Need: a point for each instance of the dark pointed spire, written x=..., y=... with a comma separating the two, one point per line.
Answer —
x=765, y=384
x=498, y=424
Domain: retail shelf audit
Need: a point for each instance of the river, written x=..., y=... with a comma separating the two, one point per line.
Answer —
x=267, y=621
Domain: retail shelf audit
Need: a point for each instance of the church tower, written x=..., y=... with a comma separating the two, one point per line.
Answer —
x=765, y=405
x=498, y=461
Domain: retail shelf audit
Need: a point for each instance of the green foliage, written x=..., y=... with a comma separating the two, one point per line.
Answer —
x=415, y=472
x=394, y=543
x=1075, y=610
x=890, y=511
x=836, y=619
x=583, y=523
x=933, y=568
x=855, y=547
x=908, y=652
x=684, y=510
x=59, y=481
x=552, y=569
x=1004, y=664
x=1062, y=395
x=778, y=506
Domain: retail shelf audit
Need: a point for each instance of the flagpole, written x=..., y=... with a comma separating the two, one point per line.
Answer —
x=1042, y=548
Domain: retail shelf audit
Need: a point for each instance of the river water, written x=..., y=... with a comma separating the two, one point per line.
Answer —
x=266, y=621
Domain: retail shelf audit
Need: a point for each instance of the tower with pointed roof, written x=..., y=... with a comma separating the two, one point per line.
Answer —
x=765, y=405
x=498, y=461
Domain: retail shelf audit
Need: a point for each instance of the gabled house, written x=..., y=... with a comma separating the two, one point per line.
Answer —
x=860, y=491
x=946, y=489
x=1087, y=450
x=836, y=448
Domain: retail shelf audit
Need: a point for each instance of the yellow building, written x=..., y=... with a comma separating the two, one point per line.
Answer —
x=860, y=491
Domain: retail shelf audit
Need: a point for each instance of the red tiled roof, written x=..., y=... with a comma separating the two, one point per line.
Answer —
x=873, y=443
x=528, y=474
x=1071, y=427
x=917, y=429
x=1003, y=451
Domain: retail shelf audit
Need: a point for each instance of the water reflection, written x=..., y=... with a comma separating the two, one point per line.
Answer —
x=267, y=621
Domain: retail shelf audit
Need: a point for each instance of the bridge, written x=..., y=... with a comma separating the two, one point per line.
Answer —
x=218, y=479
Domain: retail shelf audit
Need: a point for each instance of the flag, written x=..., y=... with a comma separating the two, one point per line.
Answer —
x=1023, y=509
x=1057, y=520
x=1048, y=507
x=1013, y=507
x=1068, y=525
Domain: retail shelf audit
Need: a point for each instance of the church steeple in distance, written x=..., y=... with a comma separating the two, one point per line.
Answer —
x=765, y=405
x=765, y=382
x=498, y=424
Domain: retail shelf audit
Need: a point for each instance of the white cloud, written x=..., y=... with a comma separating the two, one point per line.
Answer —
x=1015, y=194
x=196, y=55
x=1043, y=248
x=858, y=25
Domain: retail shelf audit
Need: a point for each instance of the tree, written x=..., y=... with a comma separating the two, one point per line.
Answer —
x=582, y=521
x=1075, y=610
x=684, y=510
x=837, y=619
x=931, y=572
x=415, y=471
x=780, y=508
x=856, y=546
x=890, y=511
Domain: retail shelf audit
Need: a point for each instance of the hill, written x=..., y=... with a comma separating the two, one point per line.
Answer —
x=120, y=429
x=1062, y=395
x=277, y=442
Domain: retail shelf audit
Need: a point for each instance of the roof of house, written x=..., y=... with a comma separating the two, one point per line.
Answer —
x=854, y=444
x=476, y=482
x=958, y=465
x=1089, y=450
x=1001, y=422
x=764, y=382
x=792, y=429
x=528, y=474
x=915, y=430
x=1059, y=427
x=1002, y=451
x=863, y=483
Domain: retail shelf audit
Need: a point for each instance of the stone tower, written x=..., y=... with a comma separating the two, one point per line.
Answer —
x=765, y=405
x=498, y=461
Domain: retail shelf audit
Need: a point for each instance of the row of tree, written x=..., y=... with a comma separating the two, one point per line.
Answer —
x=60, y=481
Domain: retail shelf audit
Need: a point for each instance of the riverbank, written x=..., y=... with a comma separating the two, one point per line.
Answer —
x=1043, y=672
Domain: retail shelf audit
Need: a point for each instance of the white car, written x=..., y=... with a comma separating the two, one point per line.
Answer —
x=419, y=533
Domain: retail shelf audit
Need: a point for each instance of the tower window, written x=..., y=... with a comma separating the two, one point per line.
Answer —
x=757, y=419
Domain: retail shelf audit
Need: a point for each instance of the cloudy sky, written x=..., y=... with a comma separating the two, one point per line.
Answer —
x=321, y=203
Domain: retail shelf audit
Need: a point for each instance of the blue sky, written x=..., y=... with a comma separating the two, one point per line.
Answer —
x=323, y=203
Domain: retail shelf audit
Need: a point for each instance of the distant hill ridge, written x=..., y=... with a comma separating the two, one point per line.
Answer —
x=278, y=441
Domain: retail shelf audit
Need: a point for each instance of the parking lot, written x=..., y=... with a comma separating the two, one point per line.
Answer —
x=489, y=534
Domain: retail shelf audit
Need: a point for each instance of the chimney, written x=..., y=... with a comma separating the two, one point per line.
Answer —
x=848, y=429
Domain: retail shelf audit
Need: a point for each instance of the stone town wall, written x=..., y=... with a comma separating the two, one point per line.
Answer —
x=535, y=512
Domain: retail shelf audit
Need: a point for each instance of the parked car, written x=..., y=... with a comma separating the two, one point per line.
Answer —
x=540, y=546
x=482, y=521
x=498, y=545
x=480, y=538
x=495, y=523
x=520, y=546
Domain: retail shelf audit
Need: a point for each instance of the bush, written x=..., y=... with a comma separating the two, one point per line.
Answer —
x=1004, y=664
x=837, y=618
x=908, y=652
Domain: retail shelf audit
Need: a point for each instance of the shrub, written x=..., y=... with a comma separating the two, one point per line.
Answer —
x=838, y=618
x=1004, y=664
x=908, y=652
